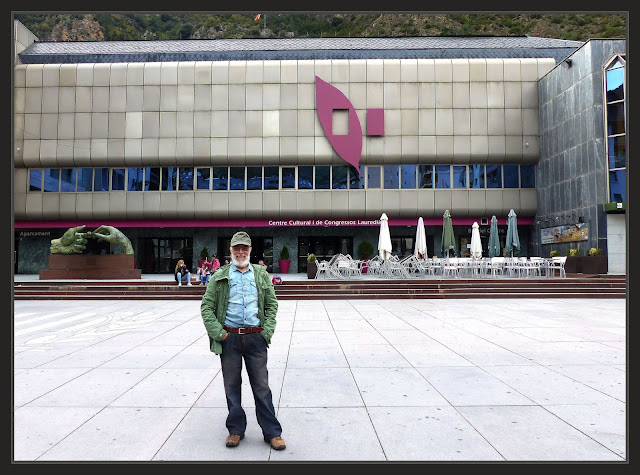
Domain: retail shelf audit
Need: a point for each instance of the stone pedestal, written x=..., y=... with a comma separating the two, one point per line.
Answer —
x=81, y=266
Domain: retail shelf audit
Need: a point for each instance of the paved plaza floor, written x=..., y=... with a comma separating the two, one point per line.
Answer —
x=352, y=380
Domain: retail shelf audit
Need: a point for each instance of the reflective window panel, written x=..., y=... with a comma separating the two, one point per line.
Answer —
x=373, y=177
x=271, y=178
x=185, y=178
x=203, y=178
x=169, y=178
x=617, y=156
x=236, y=178
x=615, y=118
x=511, y=176
x=51, y=179
x=85, y=179
x=494, y=176
x=288, y=177
x=476, y=176
x=118, y=179
x=152, y=179
x=527, y=176
x=254, y=178
x=220, y=178
x=391, y=178
x=35, y=179
x=68, y=179
x=356, y=181
x=615, y=78
x=443, y=176
x=459, y=176
x=101, y=179
x=323, y=177
x=339, y=177
x=425, y=176
x=135, y=178
x=408, y=176
x=617, y=185
x=305, y=177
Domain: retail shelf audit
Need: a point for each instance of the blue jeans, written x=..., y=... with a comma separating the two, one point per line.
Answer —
x=204, y=278
x=253, y=348
x=185, y=278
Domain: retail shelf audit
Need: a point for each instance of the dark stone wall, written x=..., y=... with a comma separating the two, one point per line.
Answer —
x=572, y=171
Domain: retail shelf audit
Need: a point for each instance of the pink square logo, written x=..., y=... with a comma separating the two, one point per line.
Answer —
x=375, y=121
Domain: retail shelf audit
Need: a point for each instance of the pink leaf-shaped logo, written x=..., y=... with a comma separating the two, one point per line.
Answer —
x=348, y=147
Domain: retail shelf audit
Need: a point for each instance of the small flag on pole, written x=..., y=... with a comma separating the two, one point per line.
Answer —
x=257, y=17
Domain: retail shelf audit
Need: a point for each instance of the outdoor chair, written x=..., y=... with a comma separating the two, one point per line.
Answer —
x=450, y=267
x=496, y=266
x=557, y=263
x=413, y=266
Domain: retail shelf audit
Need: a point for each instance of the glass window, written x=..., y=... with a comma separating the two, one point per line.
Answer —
x=288, y=177
x=101, y=179
x=391, y=178
x=35, y=179
x=185, y=178
x=118, y=179
x=323, y=177
x=425, y=176
x=443, y=176
x=220, y=178
x=615, y=118
x=617, y=155
x=476, y=176
x=527, y=176
x=615, y=84
x=373, y=177
x=68, y=179
x=51, y=179
x=203, y=178
x=459, y=176
x=152, y=179
x=617, y=184
x=339, y=177
x=305, y=177
x=169, y=178
x=511, y=176
x=494, y=176
x=85, y=179
x=408, y=176
x=271, y=178
x=135, y=179
x=236, y=178
x=356, y=181
x=254, y=178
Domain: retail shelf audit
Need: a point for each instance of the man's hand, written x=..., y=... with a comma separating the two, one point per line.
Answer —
x=73, y=241
x=113, y=236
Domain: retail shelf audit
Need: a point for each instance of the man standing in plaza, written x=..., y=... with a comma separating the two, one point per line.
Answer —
x=239, y=312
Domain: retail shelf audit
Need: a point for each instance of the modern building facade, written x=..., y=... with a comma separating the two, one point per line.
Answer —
x=181, y=143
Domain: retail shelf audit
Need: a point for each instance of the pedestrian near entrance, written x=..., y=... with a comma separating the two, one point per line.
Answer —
x=182, y=273
x=239, y=311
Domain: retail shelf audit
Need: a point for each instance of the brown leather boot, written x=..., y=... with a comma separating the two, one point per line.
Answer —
x=234, y=439
x=277, y=443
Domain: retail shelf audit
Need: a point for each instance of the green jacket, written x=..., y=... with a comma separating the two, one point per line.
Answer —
x=216, y=298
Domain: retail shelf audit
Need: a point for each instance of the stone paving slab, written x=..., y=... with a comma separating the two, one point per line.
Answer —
x=352, y=380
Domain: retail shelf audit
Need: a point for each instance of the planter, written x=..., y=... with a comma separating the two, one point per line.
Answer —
x=573, y=265
x=365, y=265
x=312, y=268
x=595, y=265
x=284, y=265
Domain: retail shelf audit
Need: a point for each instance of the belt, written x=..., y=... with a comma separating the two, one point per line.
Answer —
x=242, y=331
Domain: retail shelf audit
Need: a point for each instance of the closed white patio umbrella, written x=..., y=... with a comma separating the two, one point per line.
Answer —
x=476, y=243
x=420, y=250
x=384, y=240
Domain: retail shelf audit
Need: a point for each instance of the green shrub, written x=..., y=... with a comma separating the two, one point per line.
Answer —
x=574, y=252
x=311, y=258
x=554, y=253
x=365, y=250
x=204, y=253
x=594, y=252
x=284, y=253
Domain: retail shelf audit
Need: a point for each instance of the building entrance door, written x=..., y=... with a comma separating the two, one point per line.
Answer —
x=160, y=255
x=324, y=248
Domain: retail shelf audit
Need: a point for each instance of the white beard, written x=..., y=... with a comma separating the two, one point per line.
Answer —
x=240, y=262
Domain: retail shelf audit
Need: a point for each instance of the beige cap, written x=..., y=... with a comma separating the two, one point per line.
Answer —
x=240, y=238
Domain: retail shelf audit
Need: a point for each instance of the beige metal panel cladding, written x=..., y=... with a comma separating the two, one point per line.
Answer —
x=357, y=203
x=51, y=206
x=391, y=202
x=237, y=204
x=510, y=199
x=100, y=203
x=253, y=201
x=322, y=204
x=270, y=204
x=442, y=202
x=305, y=204
x=408, y=203
x=373, y=202
x=426, y=202
x=20, y=180
x=169, y=205
x=528, y=201
x=288, y=203
x=339, y=204
x=494, y=202
x=83, y=204
x=34, y=205
x=203, y=206
x=477, y=203
x=220, y=204
x=20, y=206
x=134, y=205
x=118, y=204
x=186, y=203
x=151, y=204
x=460, y=202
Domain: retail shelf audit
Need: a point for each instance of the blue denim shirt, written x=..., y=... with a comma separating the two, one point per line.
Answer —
x=242, y=310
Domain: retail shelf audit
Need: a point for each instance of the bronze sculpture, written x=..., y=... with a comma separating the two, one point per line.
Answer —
x=74, y=240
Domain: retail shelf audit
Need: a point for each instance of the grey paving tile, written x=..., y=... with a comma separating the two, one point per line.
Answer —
x=604, y=378
x=353, y=324
x=545, y=386
x=90, y=357
x=312, y=325
x=168, y=388
x=38, y=429
x=338, y=389
x=201, y=435
x=327, y=434
x=213, y=395
x=95, y=388
x=472, y=386
x=604, y=422
x=33, y=383
x=431, y=354
x=429, y=434
x=144, y=356
x=373, y=356
x=115, y=434
x=368, y=336
x=197, y=355
x=528, y=433
x=36, y=357
x=316, y=356
x=396, y=387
